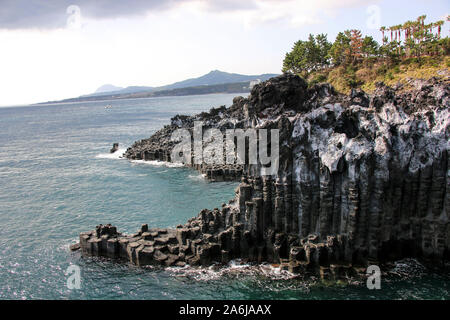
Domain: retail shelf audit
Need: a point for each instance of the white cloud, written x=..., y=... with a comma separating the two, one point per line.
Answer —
x=294, y=13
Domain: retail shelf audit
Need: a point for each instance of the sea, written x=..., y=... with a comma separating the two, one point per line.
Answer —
x=57, y=179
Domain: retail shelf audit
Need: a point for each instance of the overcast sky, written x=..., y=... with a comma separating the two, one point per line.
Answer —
x=56, y=49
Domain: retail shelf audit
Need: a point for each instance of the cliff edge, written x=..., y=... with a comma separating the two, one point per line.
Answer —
x=362, y=179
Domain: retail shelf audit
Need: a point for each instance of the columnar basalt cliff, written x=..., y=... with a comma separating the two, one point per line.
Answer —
x=361, y=179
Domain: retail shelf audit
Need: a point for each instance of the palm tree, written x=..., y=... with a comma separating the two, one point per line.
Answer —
x=439, y=25
x=421, y=21
x=394, y=28
x=383, y=30
x=399, y=31
x=407, y=29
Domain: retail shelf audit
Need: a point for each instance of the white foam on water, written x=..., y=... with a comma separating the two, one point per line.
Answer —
x=233, y=268
x=407, y=268
x=197, y=177
x=157, y=163
x=116, y=155
x=119, y=154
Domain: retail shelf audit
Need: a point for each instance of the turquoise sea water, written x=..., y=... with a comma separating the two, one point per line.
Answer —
x=57, y=180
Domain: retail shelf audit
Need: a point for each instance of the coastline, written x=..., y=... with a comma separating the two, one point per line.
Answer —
x=259, y=234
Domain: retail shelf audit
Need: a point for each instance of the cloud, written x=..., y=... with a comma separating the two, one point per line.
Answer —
x=52, y=14
x=297, y=13
x=230, y=5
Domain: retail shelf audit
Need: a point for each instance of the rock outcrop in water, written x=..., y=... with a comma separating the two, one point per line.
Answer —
x=114, y=148
x=362, y=179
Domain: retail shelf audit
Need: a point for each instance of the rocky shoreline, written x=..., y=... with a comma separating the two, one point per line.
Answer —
x=362, y=180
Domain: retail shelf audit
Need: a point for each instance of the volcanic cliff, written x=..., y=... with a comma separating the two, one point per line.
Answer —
x=362, y=179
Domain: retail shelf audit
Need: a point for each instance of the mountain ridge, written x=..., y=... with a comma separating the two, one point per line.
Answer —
x=214, y=77
x=107, y=88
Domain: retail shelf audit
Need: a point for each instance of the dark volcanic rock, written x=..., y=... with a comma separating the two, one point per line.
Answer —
x=114, y=148
x=75, y=247
x=361, y=179
x=286, y=91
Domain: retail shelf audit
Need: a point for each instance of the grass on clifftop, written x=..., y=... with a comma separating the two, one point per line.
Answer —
x=365, y=74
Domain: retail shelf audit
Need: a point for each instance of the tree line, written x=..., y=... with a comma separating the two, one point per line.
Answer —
x=410, y=39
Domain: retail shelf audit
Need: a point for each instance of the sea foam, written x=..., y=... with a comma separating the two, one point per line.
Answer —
x=157, y=163
x=116, y=155
x=197, y=177
x=119, y=154
x=233, y=268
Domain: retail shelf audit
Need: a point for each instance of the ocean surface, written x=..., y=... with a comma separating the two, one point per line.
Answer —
x=57, y=179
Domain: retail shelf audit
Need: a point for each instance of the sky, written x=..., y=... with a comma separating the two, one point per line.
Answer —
x=57, y=49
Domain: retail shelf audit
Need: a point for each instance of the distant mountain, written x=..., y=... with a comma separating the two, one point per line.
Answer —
x=235, y=87
x=107, y=88
x=117, y=91
x=211, y=78
x=217, y=77
x=212, y=82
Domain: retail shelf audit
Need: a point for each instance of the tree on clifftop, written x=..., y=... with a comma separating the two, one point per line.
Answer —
x=341, y=48
x=351, y=52
x=351, y=47
x=307, y=56
x=356, y=45
x=369, y=47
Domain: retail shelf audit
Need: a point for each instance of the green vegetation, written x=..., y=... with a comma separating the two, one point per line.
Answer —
x=308, y=56
x=410, y=50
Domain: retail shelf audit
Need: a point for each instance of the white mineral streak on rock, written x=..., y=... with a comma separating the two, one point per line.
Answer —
x=332, y=146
